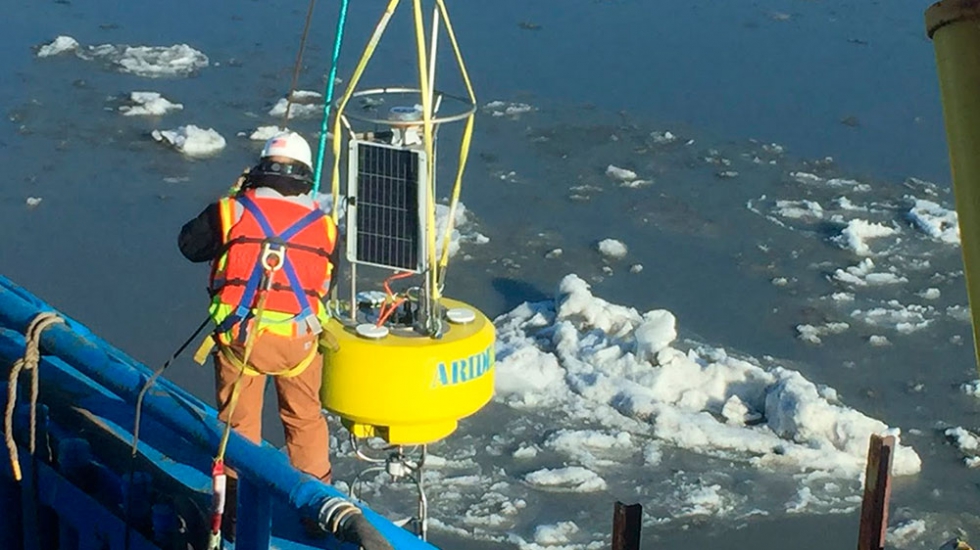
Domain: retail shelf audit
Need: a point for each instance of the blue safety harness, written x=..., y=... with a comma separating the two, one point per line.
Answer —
x=275, y=244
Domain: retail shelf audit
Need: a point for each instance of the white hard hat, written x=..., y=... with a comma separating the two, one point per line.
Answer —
x=290, y=145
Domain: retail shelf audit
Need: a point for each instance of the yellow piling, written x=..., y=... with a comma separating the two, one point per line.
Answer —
x=954, y=27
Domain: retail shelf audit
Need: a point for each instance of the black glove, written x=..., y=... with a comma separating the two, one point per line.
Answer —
x=358, y=530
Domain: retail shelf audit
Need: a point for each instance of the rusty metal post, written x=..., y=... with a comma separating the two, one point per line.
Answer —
x=877, y=491
x=626, y=526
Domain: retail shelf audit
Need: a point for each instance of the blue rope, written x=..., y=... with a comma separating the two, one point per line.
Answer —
x=329, y=97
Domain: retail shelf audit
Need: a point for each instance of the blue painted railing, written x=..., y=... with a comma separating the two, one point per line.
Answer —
x=73, y=494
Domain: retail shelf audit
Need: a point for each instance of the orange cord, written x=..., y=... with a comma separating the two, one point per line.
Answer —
x=387, y=310
x=384, y=316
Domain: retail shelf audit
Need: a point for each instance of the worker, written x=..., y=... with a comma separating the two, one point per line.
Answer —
x=273, y=253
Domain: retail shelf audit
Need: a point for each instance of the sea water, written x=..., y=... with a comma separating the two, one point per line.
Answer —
x=717, y=240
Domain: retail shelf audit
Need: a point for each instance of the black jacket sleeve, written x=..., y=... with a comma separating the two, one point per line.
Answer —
x=200, y=238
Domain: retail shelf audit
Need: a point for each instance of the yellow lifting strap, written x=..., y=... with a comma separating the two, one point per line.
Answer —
x=358, y=72
x=439, y=264
x=464, y=149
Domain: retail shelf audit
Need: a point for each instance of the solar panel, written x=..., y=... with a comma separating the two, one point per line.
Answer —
x=385, y=226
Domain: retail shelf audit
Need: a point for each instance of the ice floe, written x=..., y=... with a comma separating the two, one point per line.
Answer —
x=663, y=137
x=893, y=314
x=192, y=140
x=463, y=231
x=971, y=388
x=148, y=104
x=551, y=535
x=59, y=45
x=147, y=61
x=863, y=274
x=575, y=479
x=621, y=174
x=702, y=500
x=812, y=334
x=588, y=357
x=264, y=133
x=625, y=177
x=939, y=223
x=588, y=446
x=907, y=531
x=305, y=104
x=503, y=108
x=611, y=248
x=857, y=232
x=842, y=183
x=878, y=340
x=967, y=442
x=799, y=209
x=902, y=241
x=930, y=293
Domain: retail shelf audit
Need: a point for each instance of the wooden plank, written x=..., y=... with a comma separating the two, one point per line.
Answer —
x=626, y=526
x=877, y=492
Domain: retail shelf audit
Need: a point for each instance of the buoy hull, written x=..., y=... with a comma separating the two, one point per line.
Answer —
x=406, y=388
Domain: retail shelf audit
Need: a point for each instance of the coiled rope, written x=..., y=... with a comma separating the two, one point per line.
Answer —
x=30, y=361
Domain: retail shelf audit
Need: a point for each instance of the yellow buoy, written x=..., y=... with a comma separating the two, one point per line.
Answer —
x=408, y=388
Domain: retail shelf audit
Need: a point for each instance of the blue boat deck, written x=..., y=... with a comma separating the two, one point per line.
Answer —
x=75, y=494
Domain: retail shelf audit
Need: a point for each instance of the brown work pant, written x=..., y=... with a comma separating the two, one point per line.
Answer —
x=299, y=398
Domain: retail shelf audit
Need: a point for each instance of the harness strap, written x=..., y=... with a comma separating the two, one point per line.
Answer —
x=249, y=370
x=312, y=217
x=221, y=283
x=255, y=240
x=280, y=240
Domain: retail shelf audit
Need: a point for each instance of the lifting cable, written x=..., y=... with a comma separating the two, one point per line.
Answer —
x=299, y=63
x=328, y=99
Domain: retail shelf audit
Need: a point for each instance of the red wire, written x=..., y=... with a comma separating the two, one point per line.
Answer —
x=386, y=314
x=385, y=310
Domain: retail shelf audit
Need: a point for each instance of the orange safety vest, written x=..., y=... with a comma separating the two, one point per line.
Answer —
x=295, y=241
